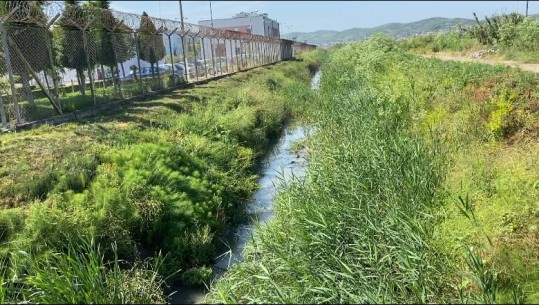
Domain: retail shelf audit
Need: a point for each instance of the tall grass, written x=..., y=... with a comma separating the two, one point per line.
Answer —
x=403, y=203
x=80, y=275
x=166, y=175
x=358, y=231
x=513, y=35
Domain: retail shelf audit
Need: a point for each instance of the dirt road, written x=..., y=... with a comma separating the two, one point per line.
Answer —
x=456, y=57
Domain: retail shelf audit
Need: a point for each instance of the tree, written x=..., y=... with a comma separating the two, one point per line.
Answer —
x=104, y=41
x=25, y=37
x=69, y=37
x=113, y=37
x=125, y=46
x=151, y=45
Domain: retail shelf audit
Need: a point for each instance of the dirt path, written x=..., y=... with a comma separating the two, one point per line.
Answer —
x=456, y=57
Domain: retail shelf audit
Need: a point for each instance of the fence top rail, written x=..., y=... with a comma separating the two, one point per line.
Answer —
x=84, y=16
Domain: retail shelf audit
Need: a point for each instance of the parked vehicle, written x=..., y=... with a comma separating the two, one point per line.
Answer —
x=160, y=70
x=177, y=69
x=190, y=68
x=213, y=70
x=200, y=68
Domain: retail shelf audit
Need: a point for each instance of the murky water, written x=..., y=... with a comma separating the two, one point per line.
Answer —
x=278, y=169
x=315, y=82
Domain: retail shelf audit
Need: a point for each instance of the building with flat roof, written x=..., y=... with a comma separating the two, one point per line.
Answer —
x=251, y=23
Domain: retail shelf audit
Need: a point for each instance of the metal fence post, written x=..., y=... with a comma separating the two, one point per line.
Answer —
x=3, y=115
x=241, y=55
x=138, y=62
x=195, y=51
x=203, y=49
x=171, y=55
x=226, y=56
x=184, y=57
x=220, y=59
x=7, y=56
x=251, y=42
x=212, y=56
x=90, y=68
x=159, y=85
x=51, y=58
x=230, y=54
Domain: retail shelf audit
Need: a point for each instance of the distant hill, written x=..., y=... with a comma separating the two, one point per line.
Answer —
x=396, y=30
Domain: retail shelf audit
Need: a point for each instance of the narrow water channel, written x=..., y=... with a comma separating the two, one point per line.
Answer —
x=281, y=165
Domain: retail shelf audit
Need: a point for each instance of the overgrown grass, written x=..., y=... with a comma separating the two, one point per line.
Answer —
x=163, y=175
x=80, y=275
x=421, y=189
x=513, y=35
x=72, y=100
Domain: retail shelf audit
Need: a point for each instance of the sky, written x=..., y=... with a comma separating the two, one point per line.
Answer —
x=310, y=16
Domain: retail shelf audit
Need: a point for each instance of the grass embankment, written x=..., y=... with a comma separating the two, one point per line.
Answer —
x=161, y=178
x=422, y=188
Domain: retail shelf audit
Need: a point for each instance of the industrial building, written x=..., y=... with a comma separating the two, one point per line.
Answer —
x=252, y=23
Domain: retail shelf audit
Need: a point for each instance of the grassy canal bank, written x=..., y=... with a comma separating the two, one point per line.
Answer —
x=107, y=209
x=422, y=187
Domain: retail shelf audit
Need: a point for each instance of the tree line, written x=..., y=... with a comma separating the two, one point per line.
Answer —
x=79, y=40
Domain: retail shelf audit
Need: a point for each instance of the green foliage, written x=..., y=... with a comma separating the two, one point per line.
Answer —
x=77, y=49
x=26, y=40
x=80, y=275
x=358, y=230
x=399, y=137
x=514, y=35
x=453, y=40
x=521, y=36
x=11, y=222
x=488, y=32
x=164, y=175
x=197, y=276
x=114, y=39
x=151, y=44
x=74, y=174
x=504, y=120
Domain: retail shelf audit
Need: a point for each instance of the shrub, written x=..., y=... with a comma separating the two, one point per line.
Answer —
x=197, y=276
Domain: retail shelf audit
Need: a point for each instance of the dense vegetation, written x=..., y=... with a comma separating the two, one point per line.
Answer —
x=422, y=188
x=107, y=210
x=513, y=35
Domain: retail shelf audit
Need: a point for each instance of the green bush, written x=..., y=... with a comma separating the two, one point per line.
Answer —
x=522, y=36
x=164, y=175
x=11, y=222
x=197, y=276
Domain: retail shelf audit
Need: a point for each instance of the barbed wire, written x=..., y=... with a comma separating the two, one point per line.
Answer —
x=53, y=49
x=82, y=16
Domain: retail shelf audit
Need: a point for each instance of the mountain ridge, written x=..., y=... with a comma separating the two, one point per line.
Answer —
x=395, y=29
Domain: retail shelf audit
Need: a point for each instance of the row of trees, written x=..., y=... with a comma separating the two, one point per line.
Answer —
x=79, y=40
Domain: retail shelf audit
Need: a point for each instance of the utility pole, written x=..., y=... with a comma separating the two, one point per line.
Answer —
x=211, y=16
x=186, y=67
x=181, y=14
x=527, y=8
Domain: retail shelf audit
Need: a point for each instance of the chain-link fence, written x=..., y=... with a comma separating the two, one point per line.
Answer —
x=58, y=58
